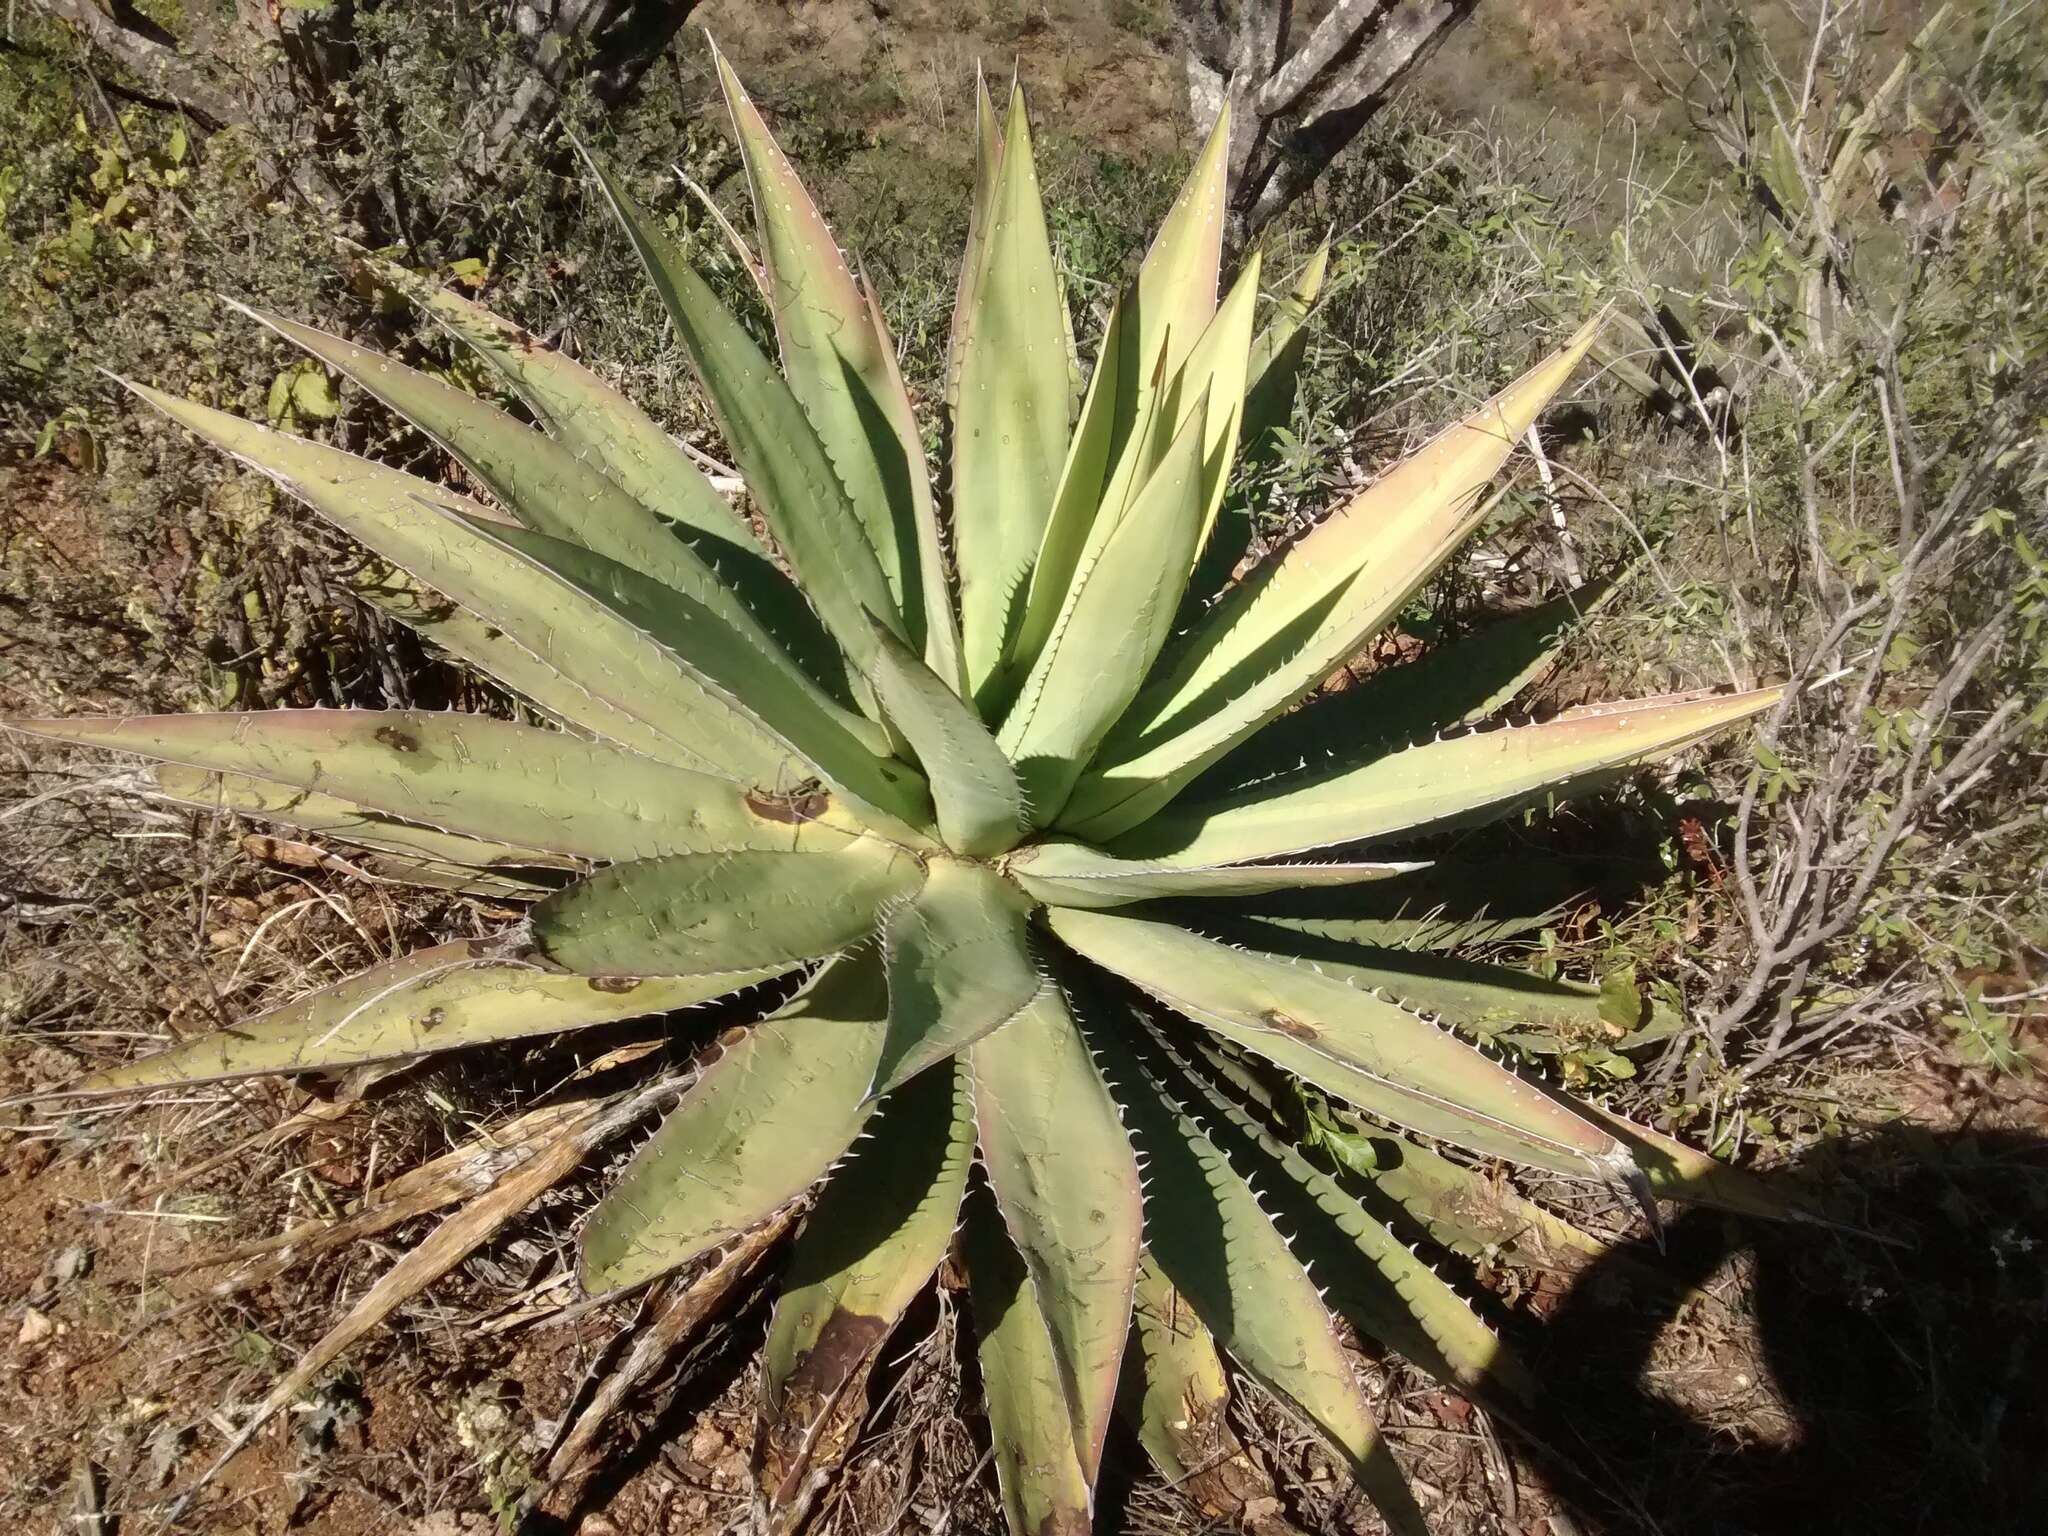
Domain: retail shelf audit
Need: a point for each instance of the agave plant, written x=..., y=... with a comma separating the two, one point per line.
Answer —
x=1009, y=827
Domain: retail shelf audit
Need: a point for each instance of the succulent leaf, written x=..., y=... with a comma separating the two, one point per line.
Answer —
x=1393, y=1295
x=1210, y=1236
x=1178, y=1399
x=1272, y=638
x=761, y=1125
x=490, y=652
x=879, y=1229
x=697, y=914
x=988, y=170
x=1439, y=783
x=1065, y=874
x=960, y=965
x=442, y=998
x=1111, y=628
x=1461, y=683
x=308, y=810
x=787, y=469
x=466, y=774
x=1010, y=422
x=432, y=536
x=979, y=804
x=1061, y=1169
x=1046, y=1490
x=834, y=358
x=602, y=427
x=744, y=673
x=597, y=423
x=1361, y=1048
x=543, y=483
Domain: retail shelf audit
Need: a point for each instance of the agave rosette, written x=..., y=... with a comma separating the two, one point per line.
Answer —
x=1046, y=894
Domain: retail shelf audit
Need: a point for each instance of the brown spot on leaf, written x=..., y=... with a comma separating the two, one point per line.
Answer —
x=807, y=802
x=820, y=1407
x=433, y=1018
x=397, y=740
x=614, y=983
x=1288, y=1025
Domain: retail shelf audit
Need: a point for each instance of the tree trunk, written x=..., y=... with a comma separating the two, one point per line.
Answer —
x=1295, y=109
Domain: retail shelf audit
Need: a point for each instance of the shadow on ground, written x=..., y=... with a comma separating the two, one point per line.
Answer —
x=1907, y=1370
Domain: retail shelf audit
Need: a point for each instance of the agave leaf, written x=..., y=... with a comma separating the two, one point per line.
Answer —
x=1213, y=382
x=310, y=811
x=1461, y=683
x=752, y=682
x=939, y=623
x=1010, y=425
x=980, y=807
x=1361, y=1048
x=544, y=483
x=598, y=424
x=988, y=171
x=787, y=469
x=1046, y=1490
x=1473, y=1215
x=959, y=963
x=1475, y=775
x=1471, y=994
x=833, y=357
x=490, y=652
x=762, y=1124
x=1064, y=874
x=1114, y=622
x=702, y=913
x=1393, y=1296
x=1209, y=1235
x=1274, y=637
x=440, y=875
x=434, y=538
x=1453, y=904
x=879, y=1230
x=466, y=774
x=1147, y=381
x=603, y=427
x=1462, y=1209
x=1276, y=355
x=1064, y=1178
x=442, y=998
x=1178, y=1400
x=1680, y=1172
x=1175, y=292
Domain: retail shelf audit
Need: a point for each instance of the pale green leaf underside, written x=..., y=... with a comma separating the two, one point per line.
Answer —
x=308, y=810
x=1482, y=772
x=1066, y=874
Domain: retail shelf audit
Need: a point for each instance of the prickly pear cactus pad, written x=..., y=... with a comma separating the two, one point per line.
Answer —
x=1008, y=809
